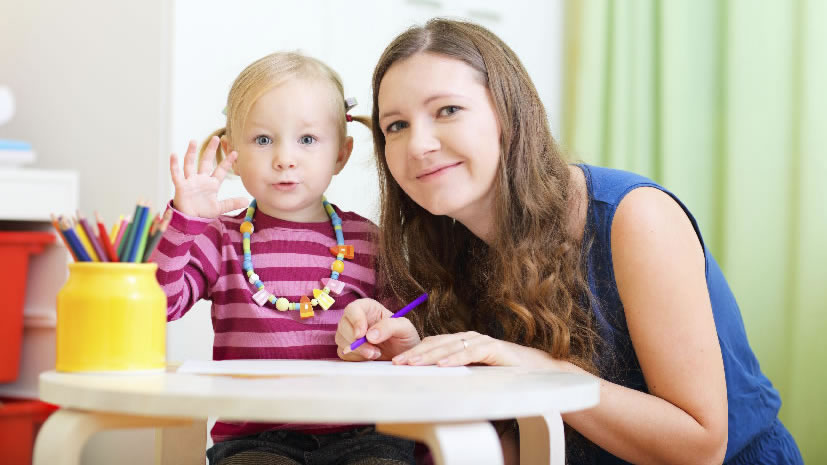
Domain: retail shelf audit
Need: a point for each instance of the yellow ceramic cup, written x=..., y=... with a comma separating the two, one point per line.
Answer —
x=111, y=317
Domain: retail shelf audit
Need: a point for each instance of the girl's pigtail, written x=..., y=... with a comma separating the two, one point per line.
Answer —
x=219, y=153
x=366, y=120
x=350, y=102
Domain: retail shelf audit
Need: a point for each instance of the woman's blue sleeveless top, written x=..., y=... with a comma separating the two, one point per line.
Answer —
x=754, y=429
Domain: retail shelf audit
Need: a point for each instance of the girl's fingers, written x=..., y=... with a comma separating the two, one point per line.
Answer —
x=189, y=160
x=225, y=166
x=174, y=169
x=208, y=160
x=365, y=352
x=386, y=328
x=353, y=324
x=228, y=205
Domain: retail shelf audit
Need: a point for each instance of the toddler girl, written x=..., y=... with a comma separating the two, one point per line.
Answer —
x=280, y=272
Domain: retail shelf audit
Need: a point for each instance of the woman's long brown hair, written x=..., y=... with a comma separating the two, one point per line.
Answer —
x=528, y=286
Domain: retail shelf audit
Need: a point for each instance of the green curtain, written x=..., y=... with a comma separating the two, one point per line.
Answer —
x=725, y=103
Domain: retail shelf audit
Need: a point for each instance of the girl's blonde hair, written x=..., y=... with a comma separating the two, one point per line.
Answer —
x=529, y=285
x=268, y=72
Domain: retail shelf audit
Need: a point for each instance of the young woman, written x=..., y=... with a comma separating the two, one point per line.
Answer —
x=531, y=261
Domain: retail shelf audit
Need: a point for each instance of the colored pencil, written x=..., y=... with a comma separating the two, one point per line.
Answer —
x=141, y=239
x=138, y=229
x=123, y=252
x=73, y=239
x=156, y=220
x=123, y=245
x=63, y=238
x=137, y=226
x=156, y=236
x=121, y=233
x=93, y=238
x=104, y=237
x=115, y=229
x=85, y=241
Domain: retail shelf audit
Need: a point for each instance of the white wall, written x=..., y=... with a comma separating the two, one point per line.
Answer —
x=89, y=78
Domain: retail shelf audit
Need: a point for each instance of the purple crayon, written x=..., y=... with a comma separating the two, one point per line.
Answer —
x=401, y=312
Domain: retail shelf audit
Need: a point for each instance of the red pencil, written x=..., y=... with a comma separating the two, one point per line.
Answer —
x=104, y=238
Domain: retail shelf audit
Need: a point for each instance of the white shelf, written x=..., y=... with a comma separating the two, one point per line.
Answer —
x=31, y=195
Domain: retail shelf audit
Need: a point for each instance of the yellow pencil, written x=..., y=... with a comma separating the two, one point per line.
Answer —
x=115, y=228
x=85, y=240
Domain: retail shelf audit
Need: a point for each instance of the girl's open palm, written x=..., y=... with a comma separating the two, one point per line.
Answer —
x=196, y=191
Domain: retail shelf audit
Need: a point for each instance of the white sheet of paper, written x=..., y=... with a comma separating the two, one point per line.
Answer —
x=312, y=367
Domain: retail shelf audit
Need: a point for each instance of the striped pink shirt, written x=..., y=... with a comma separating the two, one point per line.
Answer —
x=202, y=259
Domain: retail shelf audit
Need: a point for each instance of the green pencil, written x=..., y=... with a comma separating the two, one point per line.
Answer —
x=155, y=238
x=139, y=255
x=122, y=247
x=130, y=238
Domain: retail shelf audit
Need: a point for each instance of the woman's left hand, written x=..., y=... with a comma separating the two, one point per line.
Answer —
x=471, y=347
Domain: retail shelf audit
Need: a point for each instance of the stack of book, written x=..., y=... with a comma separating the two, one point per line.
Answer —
x=14, y=153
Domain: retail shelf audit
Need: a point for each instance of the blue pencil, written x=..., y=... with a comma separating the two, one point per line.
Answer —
x=401, y=312
x=129, y=235
x=80, y=250
x=133, y=246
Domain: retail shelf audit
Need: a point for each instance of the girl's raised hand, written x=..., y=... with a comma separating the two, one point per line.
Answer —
x=196, y=191
x=386, y=336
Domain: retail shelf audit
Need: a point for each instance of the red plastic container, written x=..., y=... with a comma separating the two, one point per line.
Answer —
x=20, y=420
x=15, y=248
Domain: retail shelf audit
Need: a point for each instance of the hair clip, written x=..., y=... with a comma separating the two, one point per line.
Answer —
x=224, y=111
x=348, y=118
x=350, y=102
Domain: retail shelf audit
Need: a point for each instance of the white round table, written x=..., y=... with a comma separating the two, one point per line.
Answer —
x=448, y=413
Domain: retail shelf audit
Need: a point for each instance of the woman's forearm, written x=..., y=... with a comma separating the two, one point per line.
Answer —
x=642, y=428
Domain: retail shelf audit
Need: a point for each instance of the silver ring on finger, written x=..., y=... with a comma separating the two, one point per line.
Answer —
x=464, y=344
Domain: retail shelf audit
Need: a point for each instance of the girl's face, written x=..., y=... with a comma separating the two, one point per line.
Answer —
x=442, y=137
x=290, y=148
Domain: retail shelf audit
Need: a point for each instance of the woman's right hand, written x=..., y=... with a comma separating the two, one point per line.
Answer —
x=196, y=192
x=386, y=336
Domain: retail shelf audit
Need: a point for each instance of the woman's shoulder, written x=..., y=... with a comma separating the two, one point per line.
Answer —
x=622, y=200
x=610, y=185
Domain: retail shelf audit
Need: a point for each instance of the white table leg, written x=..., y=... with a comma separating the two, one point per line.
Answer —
x=64, y=434
x=181, y=445
x=473, y=443
x=542, y=440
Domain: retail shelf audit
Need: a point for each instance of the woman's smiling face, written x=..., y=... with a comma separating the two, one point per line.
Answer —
x=442, y=136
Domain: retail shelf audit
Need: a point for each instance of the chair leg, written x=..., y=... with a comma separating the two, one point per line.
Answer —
x=184, y=445
x=64, y=434
x=541, y=440
x=473, y=443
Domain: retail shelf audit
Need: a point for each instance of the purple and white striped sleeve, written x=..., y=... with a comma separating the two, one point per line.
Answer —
x=188, y=258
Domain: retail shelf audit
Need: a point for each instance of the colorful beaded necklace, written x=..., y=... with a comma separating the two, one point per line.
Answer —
x=321, y=297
